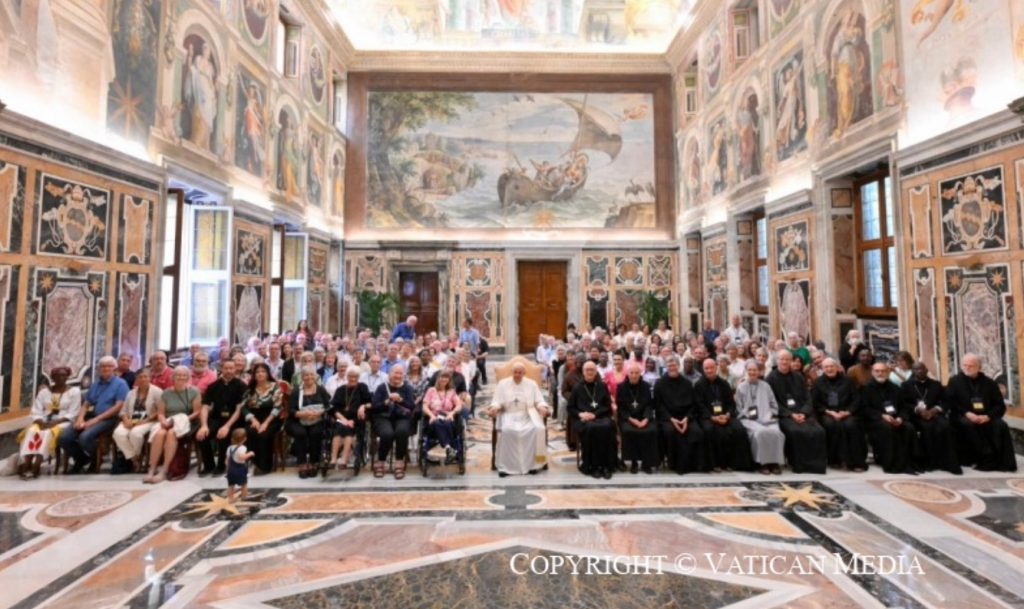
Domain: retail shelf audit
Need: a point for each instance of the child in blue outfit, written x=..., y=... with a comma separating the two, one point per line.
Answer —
x=238, y=464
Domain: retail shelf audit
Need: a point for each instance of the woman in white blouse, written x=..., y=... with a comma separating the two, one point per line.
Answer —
x=55, y=407
x=137, y=419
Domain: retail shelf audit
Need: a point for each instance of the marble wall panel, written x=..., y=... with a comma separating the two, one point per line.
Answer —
x=249, y=312
x=883, y=337
x=925, y=303
x=317, y=265
x=973, y=212
x=844, y=282
x=71, y=322
x=251, y=253
x=920, y=215
x=130, y=307
x=718, y=306
x=8, y=314
x=12, y=206
x=613, y=284
x=136, y=230
x=477, y=287
x=792, y=249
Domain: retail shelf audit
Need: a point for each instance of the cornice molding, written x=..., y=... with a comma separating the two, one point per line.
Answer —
x=490, y=61
x=686, y=38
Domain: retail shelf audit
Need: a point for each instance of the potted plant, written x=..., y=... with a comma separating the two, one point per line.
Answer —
x=375, y=308
x=652, y=310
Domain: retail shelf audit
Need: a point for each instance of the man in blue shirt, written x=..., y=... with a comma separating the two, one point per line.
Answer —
x=101, y=407
x=405, y=330
x=470, y=336
x=392, y=359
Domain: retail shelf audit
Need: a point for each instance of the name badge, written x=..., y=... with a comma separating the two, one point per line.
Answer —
x=752, y=413
x=716, y=408
x=790, y=402
x=91, y=408
x=889, y=408
x=225, y=414
x=977, y=404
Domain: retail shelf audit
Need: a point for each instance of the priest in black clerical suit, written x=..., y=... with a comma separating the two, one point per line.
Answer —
x=923, y=397
x=837, y=402
x=893, y=437
x=805, y=438
x=976, y=405
x=590, y=406
x=636, y=421
x=678, y=426
x=724, y=435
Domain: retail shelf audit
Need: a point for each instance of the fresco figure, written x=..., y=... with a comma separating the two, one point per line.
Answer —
x=790, y=112
x=287, y=157
x=199, y=93
x=850, y=72
x=251, y=153
x=748, y=131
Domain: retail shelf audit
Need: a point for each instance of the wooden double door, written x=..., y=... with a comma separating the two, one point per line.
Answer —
x=543, y=305
x=420, y=296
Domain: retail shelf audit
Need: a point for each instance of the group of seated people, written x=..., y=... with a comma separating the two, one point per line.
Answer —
x=713, y=401
x=720, y=401
x=316, y=387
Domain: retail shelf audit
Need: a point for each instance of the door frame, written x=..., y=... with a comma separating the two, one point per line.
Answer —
x=396, y=268
x=573, y=260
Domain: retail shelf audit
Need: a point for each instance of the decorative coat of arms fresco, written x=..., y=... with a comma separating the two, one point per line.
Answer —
x=792, y=247
x=973, y=212
x=73, y=219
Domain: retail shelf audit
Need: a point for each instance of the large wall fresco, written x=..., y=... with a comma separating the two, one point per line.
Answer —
x=510, y=160
x=135, y=33
x=961, y=61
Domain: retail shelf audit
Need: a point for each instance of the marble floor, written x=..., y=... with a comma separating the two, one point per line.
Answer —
x=445, y=540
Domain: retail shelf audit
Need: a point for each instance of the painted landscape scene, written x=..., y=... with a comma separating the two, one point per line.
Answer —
x=510, y=160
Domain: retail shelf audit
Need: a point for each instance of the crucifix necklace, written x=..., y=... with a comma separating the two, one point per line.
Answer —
x=633, y=393
x=591, y=394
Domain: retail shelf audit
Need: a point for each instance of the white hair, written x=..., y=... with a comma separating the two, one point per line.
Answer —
x=107, y=359
x=307, y=370
x=182, y=370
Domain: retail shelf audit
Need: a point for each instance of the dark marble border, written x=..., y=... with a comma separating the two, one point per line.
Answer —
x=76, y=161
x=966, y=152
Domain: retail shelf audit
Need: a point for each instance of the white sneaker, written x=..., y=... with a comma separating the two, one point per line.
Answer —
x=436, y=453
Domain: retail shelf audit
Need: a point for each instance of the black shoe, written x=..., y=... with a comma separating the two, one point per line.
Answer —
x=503, y=474
x=534, y=472
x=597, y=473
x=634, y=468
x=218, y=471
x=77, y=468
x=607, y=475
x=648, y=470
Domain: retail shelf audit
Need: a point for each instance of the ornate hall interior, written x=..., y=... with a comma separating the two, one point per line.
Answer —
x=522, y=210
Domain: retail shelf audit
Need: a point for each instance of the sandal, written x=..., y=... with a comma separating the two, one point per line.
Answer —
x=378, y=470
x=399, y=472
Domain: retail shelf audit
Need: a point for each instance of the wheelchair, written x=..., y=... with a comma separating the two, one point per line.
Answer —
x=427, y=441
x=359, y=446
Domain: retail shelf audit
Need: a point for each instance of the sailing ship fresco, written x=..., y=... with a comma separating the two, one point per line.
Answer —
x=510, y=160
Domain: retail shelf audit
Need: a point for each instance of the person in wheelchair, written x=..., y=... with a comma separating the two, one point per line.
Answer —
x=348, y=411
x=393, y=412
x=441, y=406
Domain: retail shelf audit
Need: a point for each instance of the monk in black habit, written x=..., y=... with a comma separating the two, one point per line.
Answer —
x=893, y=438
x=923, y=397
x=724, y=435
x=636, y=421
x=976, y=406
x=805, y=438
x=676, y=408
x=837, y=403
x=590, y=406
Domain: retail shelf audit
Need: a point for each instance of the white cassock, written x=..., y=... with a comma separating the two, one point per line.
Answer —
x=521, y=442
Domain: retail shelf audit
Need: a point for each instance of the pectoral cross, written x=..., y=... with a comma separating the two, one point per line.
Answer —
x=593, y=405
x=634, y=404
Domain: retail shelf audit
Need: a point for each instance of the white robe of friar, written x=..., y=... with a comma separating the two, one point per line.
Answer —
x=522, y=445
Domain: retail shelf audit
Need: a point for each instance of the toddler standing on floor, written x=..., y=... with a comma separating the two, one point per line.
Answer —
x=238, y=464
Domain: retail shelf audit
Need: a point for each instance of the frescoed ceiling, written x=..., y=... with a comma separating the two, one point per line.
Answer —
x=613, y=26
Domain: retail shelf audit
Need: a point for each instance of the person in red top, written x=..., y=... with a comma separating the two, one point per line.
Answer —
x=161, y=374
x=615, y=377
x=202, y=376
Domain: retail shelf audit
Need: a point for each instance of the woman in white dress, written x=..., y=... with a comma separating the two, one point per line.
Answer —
x=54, y=408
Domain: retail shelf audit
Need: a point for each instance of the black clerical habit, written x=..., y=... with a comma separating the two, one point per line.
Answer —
x=597, y=437
x=725, y=438
x=988, y=446
x=805, y=442
x=923, y=400
x=844, y=434
x=635, y=402
x=894, y=446
x=674, y=399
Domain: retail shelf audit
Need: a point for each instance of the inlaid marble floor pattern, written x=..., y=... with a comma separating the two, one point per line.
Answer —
x=462, y=541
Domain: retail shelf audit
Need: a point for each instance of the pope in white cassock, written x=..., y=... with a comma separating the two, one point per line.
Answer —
x=519, y=410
